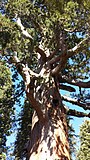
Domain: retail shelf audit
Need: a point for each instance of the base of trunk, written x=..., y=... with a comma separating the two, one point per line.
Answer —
x=49, y=141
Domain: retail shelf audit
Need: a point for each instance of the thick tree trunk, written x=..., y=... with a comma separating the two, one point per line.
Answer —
x=49, y=135
x=49, y=140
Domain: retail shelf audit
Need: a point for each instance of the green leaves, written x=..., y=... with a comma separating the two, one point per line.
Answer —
x=84, y=152
x=6, y=104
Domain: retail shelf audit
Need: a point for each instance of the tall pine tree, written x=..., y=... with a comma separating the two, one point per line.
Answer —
x=84, y=151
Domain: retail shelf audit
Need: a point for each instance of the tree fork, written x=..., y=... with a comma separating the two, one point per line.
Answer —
x=49, y=140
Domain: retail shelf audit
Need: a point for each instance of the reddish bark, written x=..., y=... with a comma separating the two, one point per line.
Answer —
x=49, y=139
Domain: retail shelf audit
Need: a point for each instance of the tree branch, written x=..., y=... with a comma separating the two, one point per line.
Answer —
x=60, y=66
x=67, y=88
x=42, y=53
x=52, y=55
x=76, y=102
x=77, y=113
x=21, y=67
x=74, y=82
x=24, y=31
x=54, y=60
x=25, y=73
x=27, y=35
x=75, y=50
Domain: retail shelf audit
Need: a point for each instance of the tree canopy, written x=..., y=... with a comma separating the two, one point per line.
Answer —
x=48, y=42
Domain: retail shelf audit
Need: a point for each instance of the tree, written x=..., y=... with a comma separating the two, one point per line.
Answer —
x=23, y=131
x=23, y=134
x=6, y=107
x=49, y=46
x=84, y=151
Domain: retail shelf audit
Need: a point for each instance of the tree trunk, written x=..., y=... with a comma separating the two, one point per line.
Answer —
x=49, y=139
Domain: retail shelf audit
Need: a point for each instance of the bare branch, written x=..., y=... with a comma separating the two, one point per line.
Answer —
x=60, y=66
x=26, y=73
x=72, y=112
x=41, y=52
x=74, y=82
x=76, y=102
x=24, y=32
x=67, y=88
x=52, y=55
x=27, y=35
x=75, y=50
x=54, y=60
x=70, y=30
x=22, y=68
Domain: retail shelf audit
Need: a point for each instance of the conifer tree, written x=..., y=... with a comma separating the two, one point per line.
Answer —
x=84, y=151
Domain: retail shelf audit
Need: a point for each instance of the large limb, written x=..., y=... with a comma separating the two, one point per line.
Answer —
x=64, y=79
x=60, y=66
x=85, y=106
x=66, y=88
x=75, y=113
x=26, y=74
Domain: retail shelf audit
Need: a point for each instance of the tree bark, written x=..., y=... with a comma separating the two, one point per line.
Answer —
x=49, y=139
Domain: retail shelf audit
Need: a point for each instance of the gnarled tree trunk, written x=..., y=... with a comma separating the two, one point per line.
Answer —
x=49, y=135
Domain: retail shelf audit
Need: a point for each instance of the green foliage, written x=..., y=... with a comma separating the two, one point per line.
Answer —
x=6, y=105
x=84, y=151
x=24, y=129
x=47, y=22
x=71, y=137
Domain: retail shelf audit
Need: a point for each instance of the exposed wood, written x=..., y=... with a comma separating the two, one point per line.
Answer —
x=27, y=35
x=25, y=72
x=37, y=106
x=78, y=48
x=24, y=31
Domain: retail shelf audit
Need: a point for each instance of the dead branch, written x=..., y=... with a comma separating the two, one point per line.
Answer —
x=27, y=35
x=78, y=48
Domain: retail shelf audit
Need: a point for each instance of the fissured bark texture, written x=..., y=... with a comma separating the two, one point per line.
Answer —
x=49, y=135
x=49, y=140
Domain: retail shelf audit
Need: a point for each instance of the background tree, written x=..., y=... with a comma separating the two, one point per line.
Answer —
x=6, y=107
x=49, y=46
x=24, y=130
x=84, y=151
